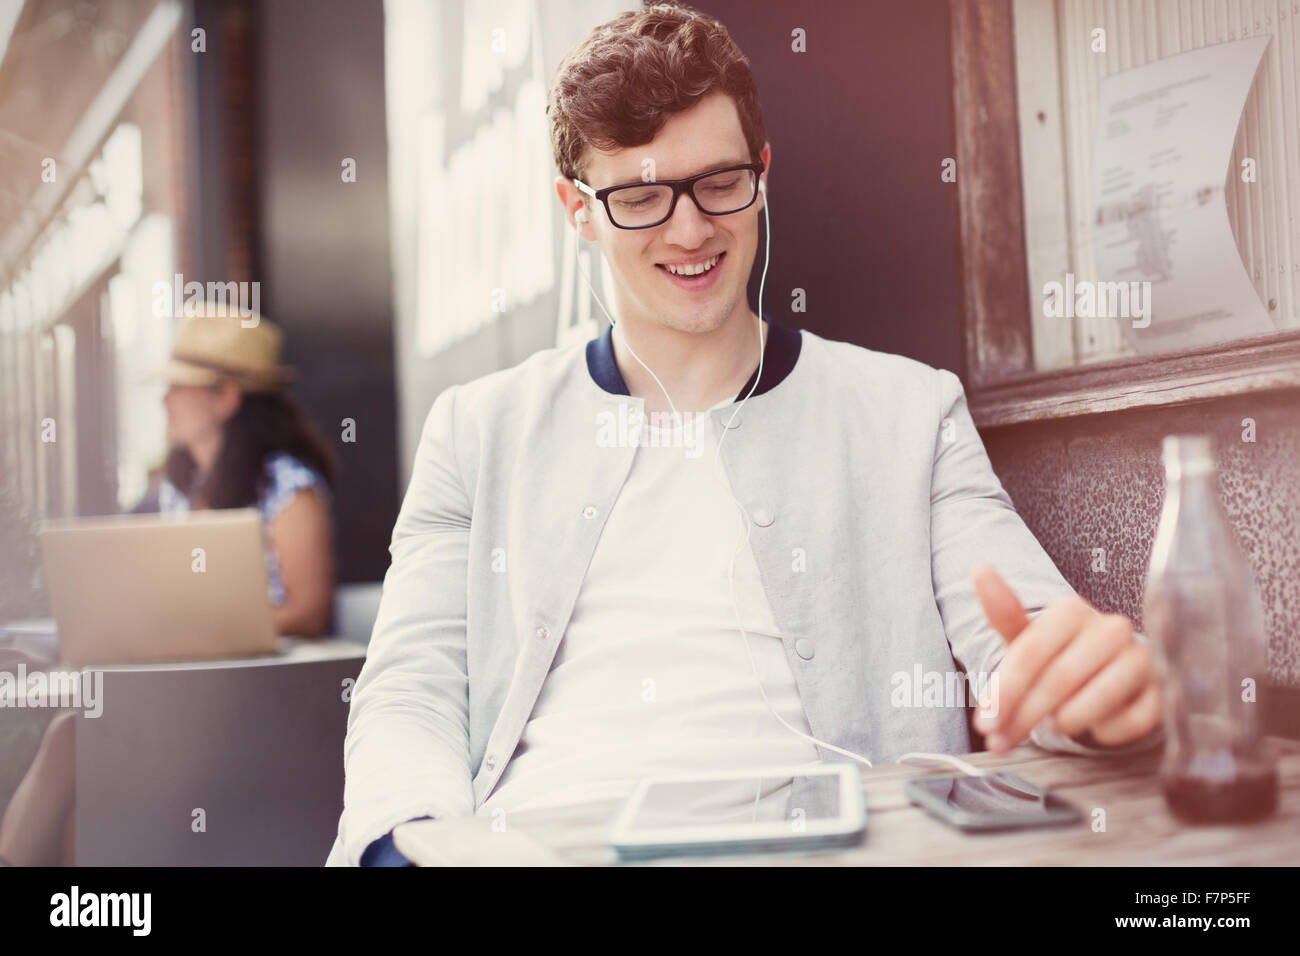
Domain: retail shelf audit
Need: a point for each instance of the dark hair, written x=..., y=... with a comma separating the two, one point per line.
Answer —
x=265, y=422
x=620, y=85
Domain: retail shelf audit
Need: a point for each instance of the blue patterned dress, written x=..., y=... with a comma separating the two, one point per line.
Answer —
x=283, y=477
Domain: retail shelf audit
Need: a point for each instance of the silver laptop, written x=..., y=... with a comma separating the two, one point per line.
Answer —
x=134, y=589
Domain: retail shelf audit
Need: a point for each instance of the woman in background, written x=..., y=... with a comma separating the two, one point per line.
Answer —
x=235, y=440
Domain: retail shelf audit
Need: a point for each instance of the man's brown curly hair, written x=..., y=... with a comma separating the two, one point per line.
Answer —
x=620, y=85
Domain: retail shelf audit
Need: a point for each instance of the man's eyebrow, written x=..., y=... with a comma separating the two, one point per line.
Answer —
x=709, y=167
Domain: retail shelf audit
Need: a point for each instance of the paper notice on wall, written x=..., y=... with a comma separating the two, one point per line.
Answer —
x=1164, y=139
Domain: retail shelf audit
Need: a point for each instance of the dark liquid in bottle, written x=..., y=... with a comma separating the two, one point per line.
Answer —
x=1251, y=794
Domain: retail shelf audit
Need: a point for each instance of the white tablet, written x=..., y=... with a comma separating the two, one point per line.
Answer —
x=764, y=810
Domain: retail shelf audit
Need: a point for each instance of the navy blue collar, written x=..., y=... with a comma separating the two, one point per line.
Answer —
x=779, y=357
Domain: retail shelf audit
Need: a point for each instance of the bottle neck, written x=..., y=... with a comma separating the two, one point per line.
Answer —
x=1193, y=529
x=1190, y=477
x=1192, y=489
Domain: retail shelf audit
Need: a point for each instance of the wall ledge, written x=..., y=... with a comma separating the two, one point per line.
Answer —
x=1258, y=364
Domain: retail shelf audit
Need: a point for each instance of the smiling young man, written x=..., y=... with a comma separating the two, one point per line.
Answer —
x=564, y=615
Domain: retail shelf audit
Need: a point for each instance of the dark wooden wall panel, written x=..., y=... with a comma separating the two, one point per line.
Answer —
x=860, y=125
x=324, y=245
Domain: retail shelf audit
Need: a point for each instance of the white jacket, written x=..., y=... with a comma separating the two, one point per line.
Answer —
x=867, y=464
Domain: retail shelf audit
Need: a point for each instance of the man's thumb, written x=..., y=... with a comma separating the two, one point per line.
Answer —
x=1000, y=604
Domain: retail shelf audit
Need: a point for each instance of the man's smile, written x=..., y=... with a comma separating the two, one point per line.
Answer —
x=695, y=273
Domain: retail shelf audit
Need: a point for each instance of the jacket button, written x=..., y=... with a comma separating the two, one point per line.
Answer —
x=589, y=512
x=490, y=762
x=762, y=517
x=543, y=632
x=804, y=648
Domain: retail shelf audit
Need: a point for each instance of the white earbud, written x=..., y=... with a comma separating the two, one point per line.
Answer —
x=581, y=215
x=762, y=187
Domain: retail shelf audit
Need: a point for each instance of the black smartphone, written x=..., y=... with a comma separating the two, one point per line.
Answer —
x=992, y=801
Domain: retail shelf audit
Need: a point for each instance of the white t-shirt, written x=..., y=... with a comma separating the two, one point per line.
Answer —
x=652, y=674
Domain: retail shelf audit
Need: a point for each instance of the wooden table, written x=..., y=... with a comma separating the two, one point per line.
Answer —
x=1139, y=830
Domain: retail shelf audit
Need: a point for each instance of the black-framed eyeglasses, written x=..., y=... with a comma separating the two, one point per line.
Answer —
x=719, y=192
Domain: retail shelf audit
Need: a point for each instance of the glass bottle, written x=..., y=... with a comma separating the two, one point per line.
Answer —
x=1203, y=615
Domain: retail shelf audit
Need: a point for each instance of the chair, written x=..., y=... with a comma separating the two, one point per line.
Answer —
x=217, y=763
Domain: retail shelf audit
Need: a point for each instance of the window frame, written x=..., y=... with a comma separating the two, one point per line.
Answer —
x=1003, y=386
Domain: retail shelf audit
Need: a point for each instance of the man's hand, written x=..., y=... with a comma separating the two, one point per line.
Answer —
x=1083, y=668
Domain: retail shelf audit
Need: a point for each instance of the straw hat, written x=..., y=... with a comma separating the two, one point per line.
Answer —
x=216, y=345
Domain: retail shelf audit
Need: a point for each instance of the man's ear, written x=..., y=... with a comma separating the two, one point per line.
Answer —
x=573, y=201
x=765, y=156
